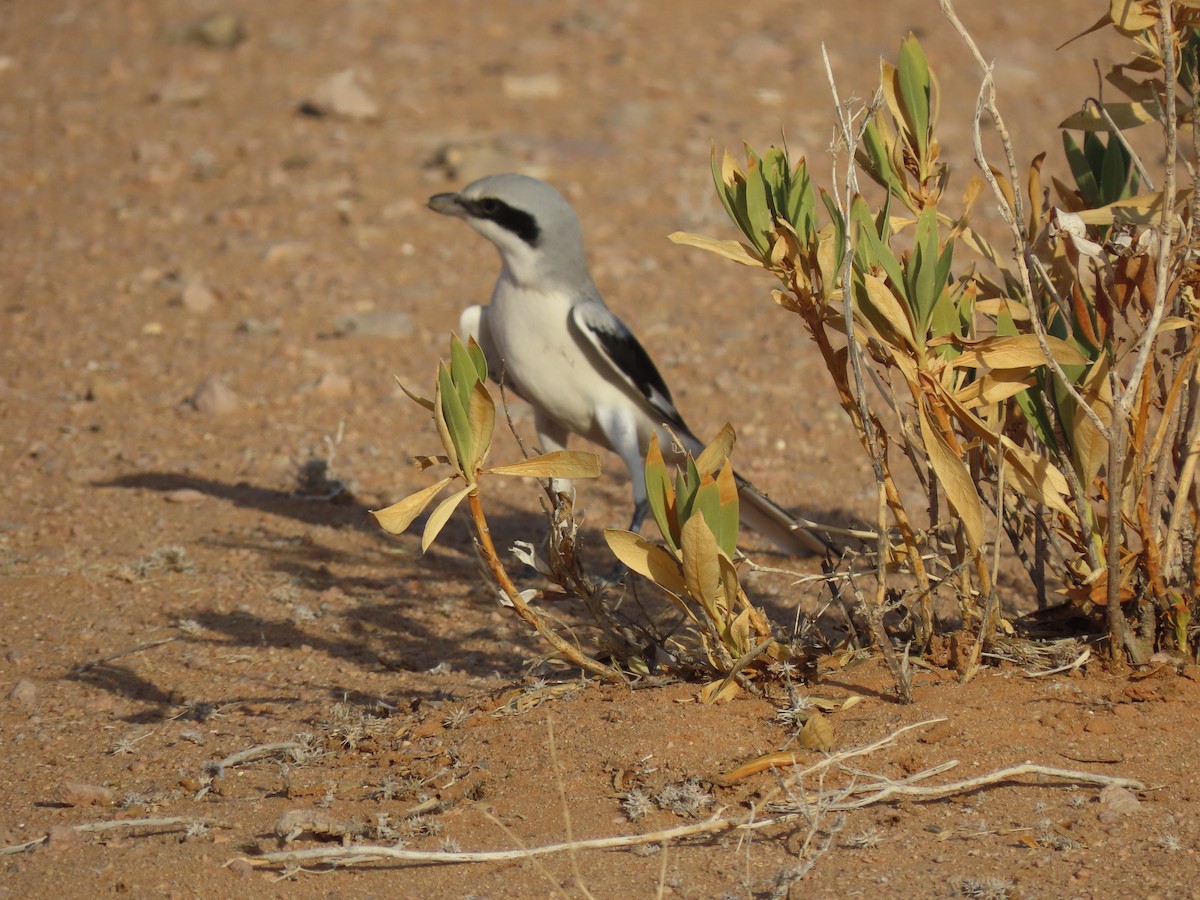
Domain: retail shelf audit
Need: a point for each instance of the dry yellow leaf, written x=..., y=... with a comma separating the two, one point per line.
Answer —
x=817, y=733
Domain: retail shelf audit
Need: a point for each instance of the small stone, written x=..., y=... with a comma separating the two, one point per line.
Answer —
x=1120, y=800
x=78, y=793
x=213, y=398
x=546, y=86
x=184, y=495
x=241, y=868
x=287, y=252
x=260, y=326
x=203, y=163
x=473, y=158
x=60, y=838
x=342, y=95
x=197, y=297
x=23, y=693
x=333, y=385
x=223, y=30
x=106, y=390
x=374, y=323
x=937, y=733
x=181, y=91
x=762, y=47
x=1100, y=726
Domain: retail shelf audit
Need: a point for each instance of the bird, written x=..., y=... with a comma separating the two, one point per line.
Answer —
x=550, y=336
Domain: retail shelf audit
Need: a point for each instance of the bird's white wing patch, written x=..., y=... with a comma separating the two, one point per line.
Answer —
x=617, y=348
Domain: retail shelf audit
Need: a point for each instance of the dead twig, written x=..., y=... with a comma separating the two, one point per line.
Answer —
x=171, y=823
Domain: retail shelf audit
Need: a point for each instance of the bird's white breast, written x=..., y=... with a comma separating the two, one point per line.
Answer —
x=543, y=359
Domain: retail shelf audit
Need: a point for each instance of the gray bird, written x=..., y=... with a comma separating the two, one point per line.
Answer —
x=560, y=348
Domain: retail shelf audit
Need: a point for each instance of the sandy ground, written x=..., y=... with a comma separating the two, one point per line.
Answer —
x=173, y=217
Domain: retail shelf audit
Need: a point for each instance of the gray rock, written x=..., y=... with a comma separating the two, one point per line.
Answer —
x=374, y=323
x=213, y=398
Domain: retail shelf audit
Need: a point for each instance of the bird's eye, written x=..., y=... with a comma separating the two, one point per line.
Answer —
x=489, y=206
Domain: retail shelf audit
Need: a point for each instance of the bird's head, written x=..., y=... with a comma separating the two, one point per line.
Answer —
x=531, y=224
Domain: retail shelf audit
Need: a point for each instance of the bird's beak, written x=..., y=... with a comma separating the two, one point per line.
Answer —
x=446, y=204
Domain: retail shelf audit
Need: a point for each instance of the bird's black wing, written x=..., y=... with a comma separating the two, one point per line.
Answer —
x=619, y=349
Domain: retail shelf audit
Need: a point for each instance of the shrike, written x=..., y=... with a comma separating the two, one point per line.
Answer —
x=562, y=350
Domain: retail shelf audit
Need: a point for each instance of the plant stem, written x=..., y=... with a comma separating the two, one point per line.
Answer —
x=565, y=649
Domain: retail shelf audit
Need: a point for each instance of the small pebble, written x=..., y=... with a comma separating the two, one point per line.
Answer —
x=342, y=95
x=23, y=693
x=78, y=793
x=184, y=495
x=213, y=398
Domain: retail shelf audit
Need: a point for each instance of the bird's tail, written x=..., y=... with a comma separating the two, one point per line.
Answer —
x=760, y=513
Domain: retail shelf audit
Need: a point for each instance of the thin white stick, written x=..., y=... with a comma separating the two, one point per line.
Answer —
x=115, y=824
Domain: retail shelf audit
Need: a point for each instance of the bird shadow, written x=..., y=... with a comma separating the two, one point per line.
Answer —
x=385, y=593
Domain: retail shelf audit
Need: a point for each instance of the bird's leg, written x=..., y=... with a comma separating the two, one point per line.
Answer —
x=620, y=428
x=639, y=514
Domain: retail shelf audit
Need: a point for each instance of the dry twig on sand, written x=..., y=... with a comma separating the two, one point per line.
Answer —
x=799, y=803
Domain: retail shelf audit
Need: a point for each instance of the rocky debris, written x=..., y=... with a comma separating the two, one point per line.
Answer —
x=545, y=86
x=223, y=30
x=466, y=160
x=78, y=793
x=105, y=389
x=184, y=495
x=287, y=252
x=252, y=325
x=197, y=297
x=183, y=91
x=214, y=398
x=1119, y=801
x=333, y=386
x=23, y=693
x=342, y=95
x=62, y=838
x=373, y=323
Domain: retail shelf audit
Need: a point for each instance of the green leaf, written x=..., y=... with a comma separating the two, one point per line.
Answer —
x=912, y=74
x=687, y=482
x=1032, y=406
x=722, y=521
x=462, y=370
x=1081, y=170
x=556, y=464
x=876, y=161
x=478, y=358
x=802, y=204
x=661, y=495
x=731, y=186
x=924, y=289
x=1114, y=172
x=777, y=176
x=878, y=253
x=440, y=516
x=758, y=210
x=451, y=415
x=396, y=518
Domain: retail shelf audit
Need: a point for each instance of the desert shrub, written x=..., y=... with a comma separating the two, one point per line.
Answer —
x=1048, y=396
x=1045, y=398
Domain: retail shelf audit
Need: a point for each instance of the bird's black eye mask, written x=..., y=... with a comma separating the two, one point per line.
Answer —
x=519, y=222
